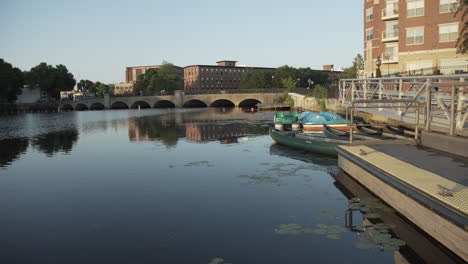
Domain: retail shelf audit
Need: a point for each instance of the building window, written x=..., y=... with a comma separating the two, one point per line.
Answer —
x=414, y=36
x=448, y=6
x=415, y=8
x=369, y=34
x=391, y=30
x=448, y=32
x=369, y=14
x=391, y=52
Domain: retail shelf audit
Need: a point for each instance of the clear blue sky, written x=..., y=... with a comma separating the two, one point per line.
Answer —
x=96, y=40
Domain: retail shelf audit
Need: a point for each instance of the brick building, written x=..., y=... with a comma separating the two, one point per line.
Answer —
x=223, y=76
x=132, y=73
x=412, y=37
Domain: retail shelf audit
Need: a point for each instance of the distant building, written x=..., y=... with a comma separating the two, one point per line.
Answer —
x=223, y=76
x=123, y=88
x=412, y=37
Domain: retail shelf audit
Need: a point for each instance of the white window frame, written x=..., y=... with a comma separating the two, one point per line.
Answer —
x=448, y=6
x=369, y=14
x=409, y=3
x=414, y=36
x=452, y=36
x=367, y=35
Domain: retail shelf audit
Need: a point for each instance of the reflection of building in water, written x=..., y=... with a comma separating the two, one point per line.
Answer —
x=207, y=131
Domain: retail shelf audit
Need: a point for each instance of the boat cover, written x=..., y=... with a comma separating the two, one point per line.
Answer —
x=322, y=118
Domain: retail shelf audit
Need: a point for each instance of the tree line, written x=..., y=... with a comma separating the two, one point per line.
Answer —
x=50, y=79
x=283, y=77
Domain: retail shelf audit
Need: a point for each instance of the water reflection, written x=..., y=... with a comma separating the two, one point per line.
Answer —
x=279, y=150
x=170, y=127
x=154, y=128
x=54, y=142
x=381, y=231
x=11, y=150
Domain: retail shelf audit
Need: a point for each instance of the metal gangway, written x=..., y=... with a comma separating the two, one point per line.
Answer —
x=445, y=98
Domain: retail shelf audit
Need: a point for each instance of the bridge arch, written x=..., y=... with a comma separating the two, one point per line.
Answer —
x=142, y=105
x=249, y=103
x=97, y=106
x=194, y=103
x=66, y=107
x=119, y=105
x=164, y=104
x=81, y=107
x=222, y=103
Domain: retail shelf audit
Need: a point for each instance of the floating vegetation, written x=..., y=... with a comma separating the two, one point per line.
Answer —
x=199, y=164
x=378, y=236
x=262, y=179
x=330, y=231
x=292, y=229
x=216, y=260
x=366, y=206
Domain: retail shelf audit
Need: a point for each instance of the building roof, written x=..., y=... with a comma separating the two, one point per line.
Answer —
x=225, y=61
x=240, y=67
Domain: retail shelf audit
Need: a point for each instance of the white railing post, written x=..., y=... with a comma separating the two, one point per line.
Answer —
x=428, y=105
x=365, y=90
x=353, y=88
x=460, y=115
x=400, y=95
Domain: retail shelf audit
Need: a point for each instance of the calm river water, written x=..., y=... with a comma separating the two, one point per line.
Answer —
x=182, y=186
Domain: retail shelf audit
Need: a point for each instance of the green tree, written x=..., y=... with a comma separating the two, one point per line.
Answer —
x=51, y=80
x=288, y=83
x=306, y=74
x=321, y=96
x=11, y=81
x=157, y=79
x=254, y=79
x=85, y=85
x=284, y=72
x=352, y=72
x=102, y=89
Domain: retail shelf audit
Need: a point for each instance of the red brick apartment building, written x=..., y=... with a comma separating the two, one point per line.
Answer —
x=412, y=36
x=223, y=76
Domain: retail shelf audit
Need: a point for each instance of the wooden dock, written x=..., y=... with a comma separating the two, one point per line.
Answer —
x=273, y=107
x=427, y=187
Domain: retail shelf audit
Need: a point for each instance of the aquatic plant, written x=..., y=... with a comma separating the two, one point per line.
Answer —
x=216, y=260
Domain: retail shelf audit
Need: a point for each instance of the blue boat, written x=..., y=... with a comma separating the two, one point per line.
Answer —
x=313, y=122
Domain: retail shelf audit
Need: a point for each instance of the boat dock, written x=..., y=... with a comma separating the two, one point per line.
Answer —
x=426, y=186
x=425, y=181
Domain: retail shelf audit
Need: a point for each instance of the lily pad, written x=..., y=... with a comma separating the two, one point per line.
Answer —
x=333, y=236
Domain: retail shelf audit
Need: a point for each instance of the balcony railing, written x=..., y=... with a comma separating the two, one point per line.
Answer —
x=389, y=58
x=390, y=35
x=390, y=13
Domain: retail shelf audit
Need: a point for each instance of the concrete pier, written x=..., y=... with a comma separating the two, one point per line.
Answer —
x=426, y=186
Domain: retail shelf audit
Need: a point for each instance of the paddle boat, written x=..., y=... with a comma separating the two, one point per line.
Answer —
x=313, y=122
x=284, y=121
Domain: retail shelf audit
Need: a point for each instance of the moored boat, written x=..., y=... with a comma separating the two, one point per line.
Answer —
x=312, y=143
x=313, y=122
x=285, y=121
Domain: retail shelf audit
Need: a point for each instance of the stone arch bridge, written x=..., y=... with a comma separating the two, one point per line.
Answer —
x=179, y=99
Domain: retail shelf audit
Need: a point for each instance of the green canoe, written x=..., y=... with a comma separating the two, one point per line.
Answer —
x=313, y=143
